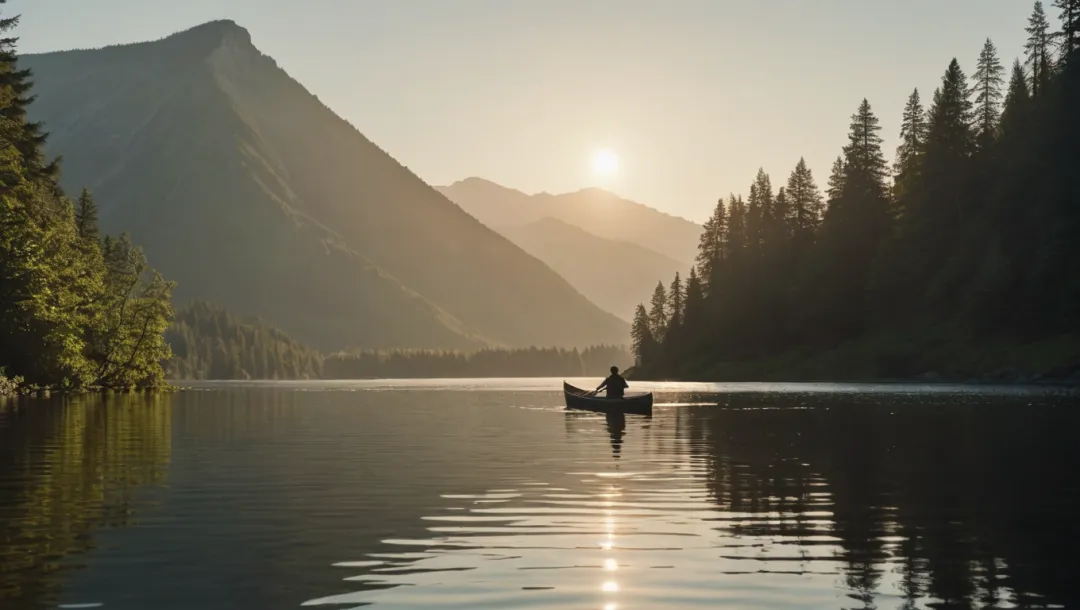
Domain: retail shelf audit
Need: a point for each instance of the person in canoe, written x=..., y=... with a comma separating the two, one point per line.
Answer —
x=615, y=384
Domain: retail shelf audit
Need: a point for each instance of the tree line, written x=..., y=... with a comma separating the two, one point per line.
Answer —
x=968, y=236
x=77, y=309
x=492, y=362
x=208, y=342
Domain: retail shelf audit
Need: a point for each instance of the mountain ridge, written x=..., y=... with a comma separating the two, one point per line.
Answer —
x=598, y=211
x=616, y=275
x=183, y=140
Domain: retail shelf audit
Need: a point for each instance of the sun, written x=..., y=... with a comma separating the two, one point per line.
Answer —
x=605, y=163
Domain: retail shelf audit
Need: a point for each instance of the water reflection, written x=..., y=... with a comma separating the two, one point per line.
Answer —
x=777, y=501
x=68, y=468
x=261, y=497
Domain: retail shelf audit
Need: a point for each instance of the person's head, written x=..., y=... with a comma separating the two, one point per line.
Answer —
x=614, y=370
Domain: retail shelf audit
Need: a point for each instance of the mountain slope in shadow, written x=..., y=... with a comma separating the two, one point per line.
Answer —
x=248, y=191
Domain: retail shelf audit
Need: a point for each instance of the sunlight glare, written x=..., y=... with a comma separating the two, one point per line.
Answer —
x=605, y=163
x=611, y=586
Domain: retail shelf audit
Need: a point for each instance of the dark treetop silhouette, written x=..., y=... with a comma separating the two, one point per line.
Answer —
x=962, y=263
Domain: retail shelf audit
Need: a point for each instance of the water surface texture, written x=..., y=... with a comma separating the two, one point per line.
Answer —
x=487, y=494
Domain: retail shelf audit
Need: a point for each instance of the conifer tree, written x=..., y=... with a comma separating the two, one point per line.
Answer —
x=676, y=304
x=658, y=312
x=988, y=80
x=694, y=315
x=806, y=203
x=737, y=229
x=642, y=335
x=1015, y=111
x=1070, y=27
x=712, y=242
x=759, y=211
x=1038, y=49
x=909, y=153
x=949, y=143
x=835, y=186
x=26, y=136
x=86, y=217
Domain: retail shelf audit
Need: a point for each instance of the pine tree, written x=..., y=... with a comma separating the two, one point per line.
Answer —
x=642, y=336
x=86, y=217
x=1037, y=49
x=694, y=308
x=1013, y=117
x=737, y=238
x=759, y=210
x=909, y=153
x=1070, y=27
x=783, y=221
x=807, y=206
x=676, y=304
x=949, y=140
x=835, y=185
x=27, y=137
x=658, y=313
x=988, y=80
x=912, y=133
x=712, y=242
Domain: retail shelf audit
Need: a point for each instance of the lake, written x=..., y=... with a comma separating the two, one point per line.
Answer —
x=488, y=494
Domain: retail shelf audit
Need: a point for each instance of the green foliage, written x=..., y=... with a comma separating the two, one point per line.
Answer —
x=71, y=315
x=971, y=249
x=209, y=343
x=529, y=362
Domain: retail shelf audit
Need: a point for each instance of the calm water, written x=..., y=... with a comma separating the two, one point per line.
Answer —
x=478, y=494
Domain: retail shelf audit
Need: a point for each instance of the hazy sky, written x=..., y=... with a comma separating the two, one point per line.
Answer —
x=692, y=95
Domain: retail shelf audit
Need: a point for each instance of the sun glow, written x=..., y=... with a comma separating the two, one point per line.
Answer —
x=605, y=163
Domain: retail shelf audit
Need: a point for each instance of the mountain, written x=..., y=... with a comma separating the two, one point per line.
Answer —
x=597, y=211
x=616, y=275
x=251, y=193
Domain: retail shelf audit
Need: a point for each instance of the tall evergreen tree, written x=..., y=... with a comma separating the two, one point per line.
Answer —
x=1016, y=101
x=642, y=336
x=27, y=137
x=807, y=206
x=1070, y=27
x=86, y=217
x=759, y=210
x=711, y=246
x=658, y=312
x=988, y=80
x=1038, y=49
x=912, y=136
x=676, y=304
x=737, y=238
x=948, y=146
x=694, y=308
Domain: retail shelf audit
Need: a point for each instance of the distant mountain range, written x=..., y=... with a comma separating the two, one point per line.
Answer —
x=611, y=249
x=597, y=211
x=616, y=275
x=243, y=187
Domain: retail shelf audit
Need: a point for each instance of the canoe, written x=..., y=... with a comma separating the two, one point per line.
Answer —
x=633, y=404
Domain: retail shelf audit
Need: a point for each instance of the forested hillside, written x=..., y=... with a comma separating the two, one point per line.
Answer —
x=77, y=310
x=532, y=362
x=957, y=258
x=210, y=343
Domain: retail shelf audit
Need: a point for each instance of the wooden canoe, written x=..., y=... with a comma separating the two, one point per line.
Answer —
x=633, y=404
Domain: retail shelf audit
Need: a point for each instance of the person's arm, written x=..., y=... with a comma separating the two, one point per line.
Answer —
x=602, y=384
